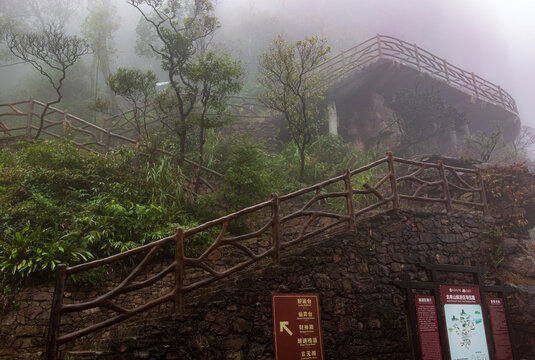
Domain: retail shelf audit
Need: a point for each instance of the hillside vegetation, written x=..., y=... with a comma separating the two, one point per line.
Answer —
x=60, y=204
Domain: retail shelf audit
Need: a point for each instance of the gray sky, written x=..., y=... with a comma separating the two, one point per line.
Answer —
x=493, y=38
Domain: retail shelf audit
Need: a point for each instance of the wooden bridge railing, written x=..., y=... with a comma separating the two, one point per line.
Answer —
x=387, y=47
x=287, y=220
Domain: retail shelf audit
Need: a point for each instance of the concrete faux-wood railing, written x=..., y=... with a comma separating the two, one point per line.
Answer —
x=17, y=120
x=326, y=206
x=379, y=47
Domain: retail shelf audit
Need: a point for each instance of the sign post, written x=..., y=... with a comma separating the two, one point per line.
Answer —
x=297, y=327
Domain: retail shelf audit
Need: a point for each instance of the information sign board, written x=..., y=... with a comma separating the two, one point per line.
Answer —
x=500, y=331
x=464, y=322
x=428, y=330
x=297, y=327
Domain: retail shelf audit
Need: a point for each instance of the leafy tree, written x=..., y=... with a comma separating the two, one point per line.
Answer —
x=51, y=52
x=37, y=14
x=292, y=88
x=180, y=31
x=217, y=77
x=138, y=88
x=6, y=25
x=98, y=29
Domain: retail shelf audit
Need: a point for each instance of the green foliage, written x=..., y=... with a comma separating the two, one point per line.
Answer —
x=32, y=250
x=99, y=26
x=108, y=226
x=327, y=157
x=293, y=89
x=139, y=89
x=165, y=180
x=247, y=178
x=133, y=84
x=217, y=77
x=496, y=257
x=176, y=33
x=62, y=204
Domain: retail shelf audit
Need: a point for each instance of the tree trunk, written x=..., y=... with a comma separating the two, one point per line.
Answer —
x=302, y=163
x=201, y=155
x=182, y=148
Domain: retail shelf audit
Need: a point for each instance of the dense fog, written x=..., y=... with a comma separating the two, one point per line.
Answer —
x=492, y=38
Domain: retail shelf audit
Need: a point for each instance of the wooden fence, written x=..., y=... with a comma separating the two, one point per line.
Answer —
x=387, y=47
x=326, y=206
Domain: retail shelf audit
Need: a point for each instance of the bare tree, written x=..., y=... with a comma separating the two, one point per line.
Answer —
x=483, y=146
x=522, y=148
x=52, y=53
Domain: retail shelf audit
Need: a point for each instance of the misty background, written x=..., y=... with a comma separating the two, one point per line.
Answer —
x=492, y=38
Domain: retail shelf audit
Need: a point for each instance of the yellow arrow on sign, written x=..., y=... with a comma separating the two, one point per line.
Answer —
x=283, y=326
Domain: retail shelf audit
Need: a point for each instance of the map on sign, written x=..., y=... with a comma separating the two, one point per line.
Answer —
x=297, y=327
x=464, y=322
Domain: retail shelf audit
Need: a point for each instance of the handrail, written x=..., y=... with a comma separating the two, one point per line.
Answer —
x=378, y=47
x=397, y=180
x=96, y=139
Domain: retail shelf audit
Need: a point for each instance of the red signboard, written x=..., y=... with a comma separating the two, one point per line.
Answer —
x=428, y=327
x=297, y=327
x=500, y=332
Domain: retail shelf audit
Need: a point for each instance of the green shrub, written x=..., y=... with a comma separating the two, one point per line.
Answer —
x=248, y=177
x=36, y=249
x=327, y=157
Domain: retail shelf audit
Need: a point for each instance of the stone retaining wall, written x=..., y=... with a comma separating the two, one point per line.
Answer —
x=363, y=313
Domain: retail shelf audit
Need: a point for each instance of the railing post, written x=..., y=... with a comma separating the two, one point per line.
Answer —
x=179, y=271
x=483, y=194
x=475, y=85
x=393, y=181
x=275, y=206
x=379, y=46
x=343, y=64
x=446, y=70
x=108, y=140
x=55, y=313
x=29, y=120
x=445, y=186
x=501, y=95
x=64, y=123
x=416, y=53
x=349, y=199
